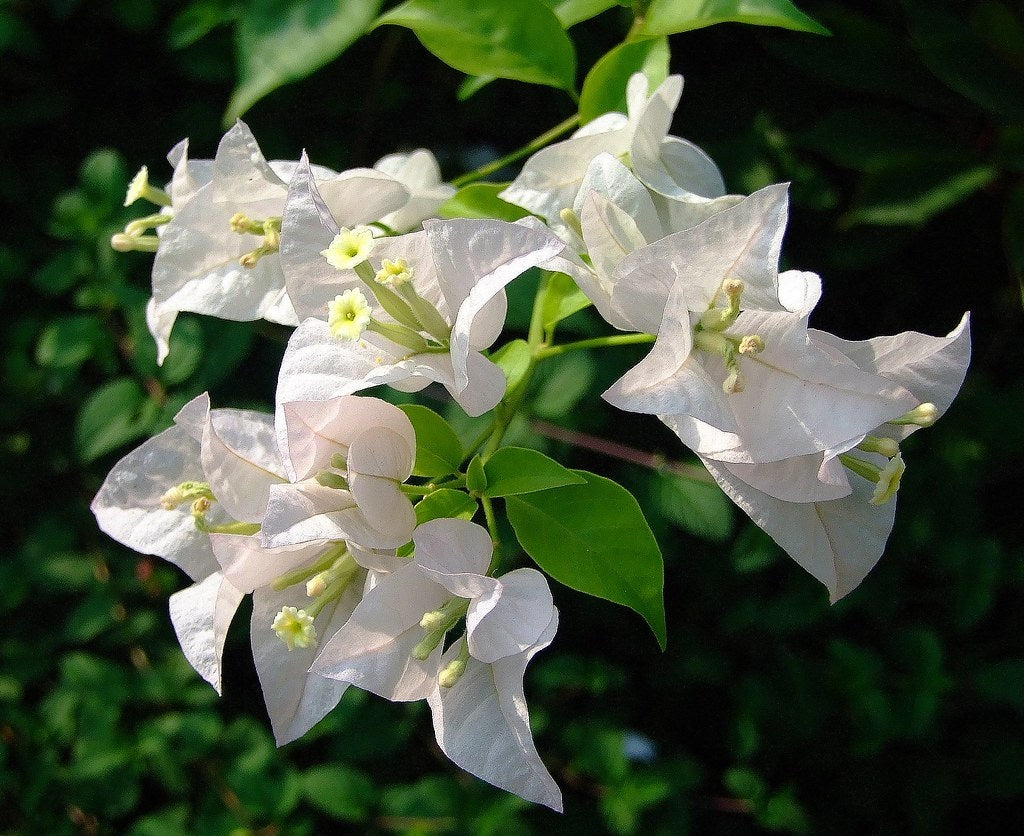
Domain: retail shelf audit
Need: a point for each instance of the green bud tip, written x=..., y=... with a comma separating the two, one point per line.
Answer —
x=923, y=415
x=432, y=620
x=124, y=243
x=316, y=585
x=572, y=220
x=452, y=673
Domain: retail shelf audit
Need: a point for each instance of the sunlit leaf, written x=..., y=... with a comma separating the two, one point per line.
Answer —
x=277, y=42
x=594, y=538
x=667, y=16
x=522, y=40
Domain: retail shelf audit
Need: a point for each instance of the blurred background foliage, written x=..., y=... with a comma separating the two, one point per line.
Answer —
x=899, y=709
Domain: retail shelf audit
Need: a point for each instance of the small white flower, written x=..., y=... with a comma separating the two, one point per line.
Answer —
x=349, y=247
x=348, y=315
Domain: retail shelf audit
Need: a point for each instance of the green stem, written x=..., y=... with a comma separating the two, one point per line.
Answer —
x=595, y=342
x=533, y=145
x=492, y=527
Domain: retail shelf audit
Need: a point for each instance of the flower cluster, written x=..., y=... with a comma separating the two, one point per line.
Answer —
x=311, y=510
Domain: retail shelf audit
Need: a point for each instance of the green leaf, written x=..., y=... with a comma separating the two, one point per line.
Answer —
x=571, y=12
x=438, y=449
x=197, y=20
x=522, y=40
x=702, y=509
x=514, y=359
x=480, y=200
x=113, y=415
x=909, y=191
x=69, y=341
x=186, y=351
x=594, y=538
x=339, y=791
x=1002, y=682
x=278, y=42
x=563, y=384
x=517, y=470
x=445, y=503
x=562, y=299
x=961, y=52
x=664, y=17
x=473, y=85
x=604, y=88
x=476, y=479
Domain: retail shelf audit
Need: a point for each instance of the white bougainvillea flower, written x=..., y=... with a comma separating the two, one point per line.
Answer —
x=392, y=645
x=785, y=396
x=832, y=512
x=481, y=723
x=301, y=597
x=211, y=471
x=349, y=457
x=672, y=167
x=616, y=214
x=419, y=173
x=428, y=327
x=219, y=254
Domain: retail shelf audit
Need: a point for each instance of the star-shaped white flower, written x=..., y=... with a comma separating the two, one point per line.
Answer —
x=235, y=219
x=455, y=272
x=831, y=519
x=392, y=645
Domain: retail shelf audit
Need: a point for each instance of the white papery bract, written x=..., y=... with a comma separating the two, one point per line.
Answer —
x=234, y=453
x=348, y=457
x=676, y=170
x=419, y=173
x=481, y=724
x=818, y=511
x=460, y=267
x=481, y=720
x=794, y=398
x=296, y=699
x=617, y=215
x=197, y=266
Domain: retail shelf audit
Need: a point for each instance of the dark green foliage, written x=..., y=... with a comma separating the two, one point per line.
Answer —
x=898, y=709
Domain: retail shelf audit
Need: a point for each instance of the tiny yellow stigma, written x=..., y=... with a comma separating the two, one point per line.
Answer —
x=348, y=315
x=394, y=273
x=295, y=628
x=888, y=481
x=349, y=247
